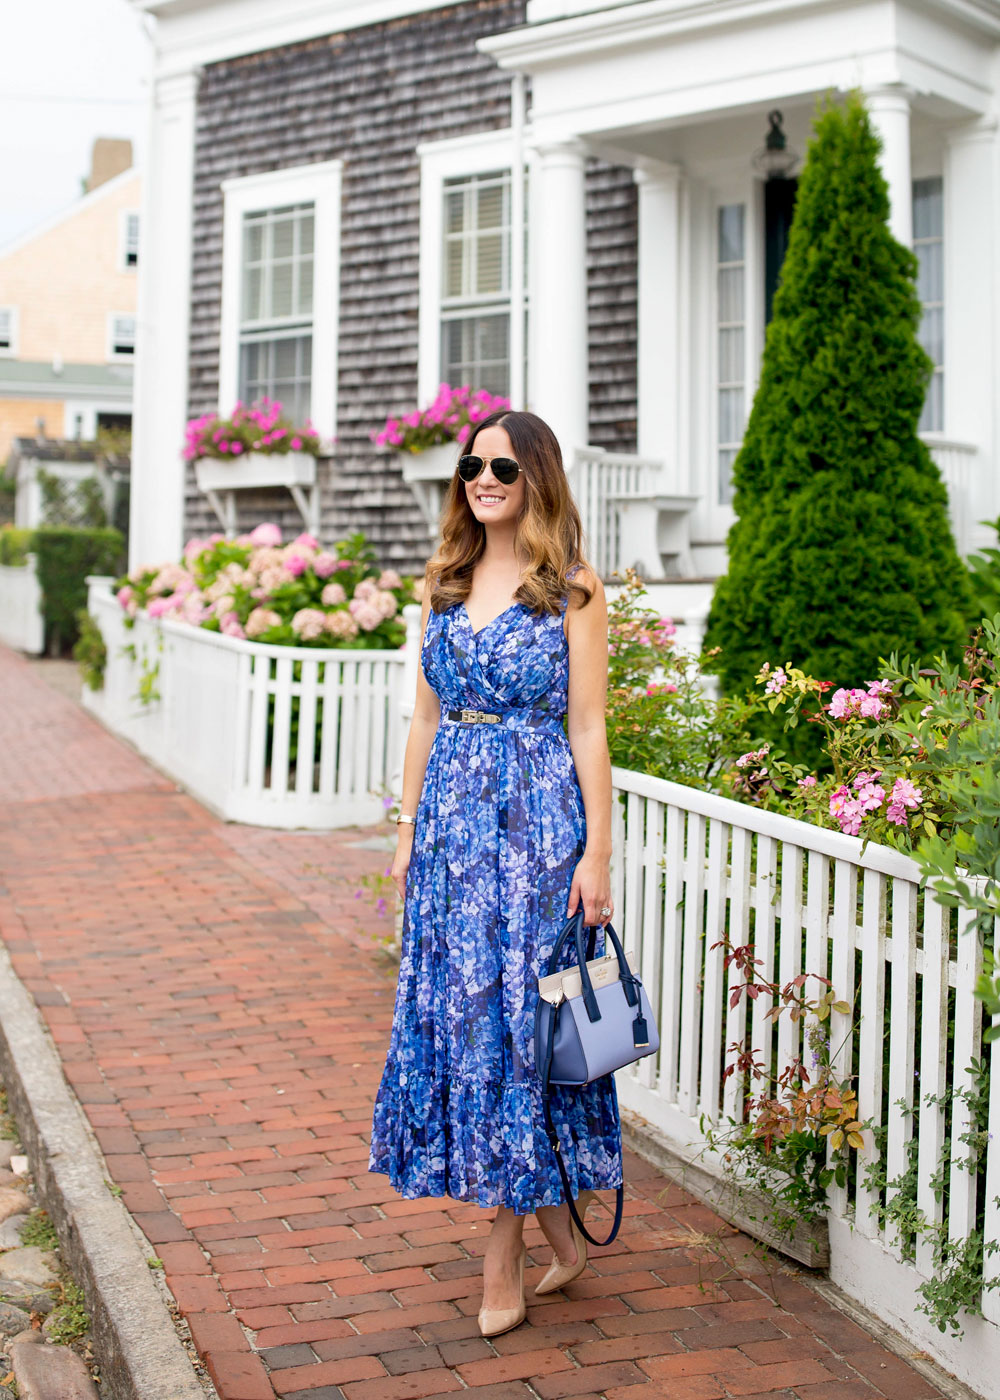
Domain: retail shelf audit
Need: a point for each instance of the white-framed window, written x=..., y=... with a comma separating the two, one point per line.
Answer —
x=468, y=268
x=8, y=331
x=928, y=244
x=129, y=240
x=280, y=292
x=731, y=250
x=121, y=336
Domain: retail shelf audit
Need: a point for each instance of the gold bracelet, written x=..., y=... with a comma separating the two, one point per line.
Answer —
x=407, y=821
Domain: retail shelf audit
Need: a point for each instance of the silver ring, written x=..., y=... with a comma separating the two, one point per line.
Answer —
x=605, y=911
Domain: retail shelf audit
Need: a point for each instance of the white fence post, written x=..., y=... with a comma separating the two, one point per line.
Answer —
x=22, y=625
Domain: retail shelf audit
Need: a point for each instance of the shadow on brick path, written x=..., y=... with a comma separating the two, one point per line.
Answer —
x=222, y=1012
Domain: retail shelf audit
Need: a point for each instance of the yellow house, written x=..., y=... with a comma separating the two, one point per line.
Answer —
x=67, y=311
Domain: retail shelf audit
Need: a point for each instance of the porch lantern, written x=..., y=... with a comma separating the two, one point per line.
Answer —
x=775, y=162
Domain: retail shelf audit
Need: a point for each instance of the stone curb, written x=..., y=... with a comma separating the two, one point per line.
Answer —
x=142, y=1357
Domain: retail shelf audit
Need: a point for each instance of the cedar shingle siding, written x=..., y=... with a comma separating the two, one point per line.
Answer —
x=367, y=98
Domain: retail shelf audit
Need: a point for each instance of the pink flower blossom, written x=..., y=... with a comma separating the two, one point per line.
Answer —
x=296, y=565
x=777, y=682
x=388, y=578
x=308, y=623
x=838, y=799
x=754, y=756
x=266, y=534
x=367, y=588
x=333, y=594
x=904, y=792
x=345, y=563
x=324, y=565
x=296, y=444
x=262, y=620
x=230, y=626
x=125, y=595
x=808, y=781
x=365, y=614
x=385, y=603
x=871, y=707
x=305, y=541
x=871, y=797
x=341, y=624
x=159, y=607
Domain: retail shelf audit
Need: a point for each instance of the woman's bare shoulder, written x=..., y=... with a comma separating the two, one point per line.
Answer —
x=587, y=578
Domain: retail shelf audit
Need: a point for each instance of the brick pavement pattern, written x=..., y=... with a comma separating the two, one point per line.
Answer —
x=222, y=1010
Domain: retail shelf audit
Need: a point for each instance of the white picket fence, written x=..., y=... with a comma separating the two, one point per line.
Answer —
x=599, y=480
x=21, y=623
x=268, y=735
x=691, y=869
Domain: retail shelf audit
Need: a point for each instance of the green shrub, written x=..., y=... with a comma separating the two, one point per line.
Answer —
x=15, y=546
x=90, y=651
x=65, y=558
x=841, y=551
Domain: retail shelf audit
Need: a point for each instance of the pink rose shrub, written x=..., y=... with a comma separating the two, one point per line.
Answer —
x=260, y=427
x=445, y=420
x=258, y=588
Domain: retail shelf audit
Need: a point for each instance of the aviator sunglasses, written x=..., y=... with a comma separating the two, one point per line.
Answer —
x=505, y=469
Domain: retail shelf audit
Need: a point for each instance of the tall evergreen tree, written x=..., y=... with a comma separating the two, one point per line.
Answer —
x=841, y=551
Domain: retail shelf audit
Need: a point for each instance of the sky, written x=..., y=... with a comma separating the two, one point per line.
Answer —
x=73, y=70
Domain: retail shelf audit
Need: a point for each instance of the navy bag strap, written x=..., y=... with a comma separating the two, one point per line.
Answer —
x=574, y=929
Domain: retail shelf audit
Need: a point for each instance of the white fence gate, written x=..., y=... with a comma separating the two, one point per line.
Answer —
x=22, y=625
x=270, y=735
x=691, y=869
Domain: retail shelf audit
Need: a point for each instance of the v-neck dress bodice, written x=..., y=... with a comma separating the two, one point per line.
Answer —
x=500, y=829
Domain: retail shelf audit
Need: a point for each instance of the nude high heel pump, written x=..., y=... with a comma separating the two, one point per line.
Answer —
x=493, y=1321
x=560, y=1274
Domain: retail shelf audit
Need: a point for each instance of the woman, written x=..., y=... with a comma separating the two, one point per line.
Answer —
x=505, y=830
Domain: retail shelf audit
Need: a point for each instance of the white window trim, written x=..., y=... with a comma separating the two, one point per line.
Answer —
x=113, y=356
x=319, y=185
x=11, y=352
x=123, y=219
x=440, y=161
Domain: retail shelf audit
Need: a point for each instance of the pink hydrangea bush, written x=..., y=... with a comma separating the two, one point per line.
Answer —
x=260, y=588
x=261, y=426
x=444, y=420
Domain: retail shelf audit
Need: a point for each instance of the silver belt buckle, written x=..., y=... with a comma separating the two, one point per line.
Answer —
x=479, y=717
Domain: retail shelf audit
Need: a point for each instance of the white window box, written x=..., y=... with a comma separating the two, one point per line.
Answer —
x=427, y=475
x=221, y=479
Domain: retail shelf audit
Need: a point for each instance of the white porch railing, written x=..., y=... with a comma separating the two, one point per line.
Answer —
x=268, y=735
x=954, y=460
x=691, y=868
x=22, y=625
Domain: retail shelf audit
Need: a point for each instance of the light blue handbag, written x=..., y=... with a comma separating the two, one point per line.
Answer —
x=591, y=1019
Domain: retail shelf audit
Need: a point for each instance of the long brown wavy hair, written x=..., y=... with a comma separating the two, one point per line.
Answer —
x=549, y=535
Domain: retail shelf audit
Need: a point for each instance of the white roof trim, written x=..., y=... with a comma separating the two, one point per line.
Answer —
x=70, y=211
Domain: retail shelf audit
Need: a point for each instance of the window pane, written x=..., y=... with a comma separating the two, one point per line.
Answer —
x=453, y=268
x=731, y=356
x=281, y=290
x=305, y=297
x=731, y=219
x=928, y=208
x=930, y=274
x=491, y=203
x=727, y=456
x=283, y=235
x=932, y=333
x=731, y=294
x=454, y=211
x=730, y=415
x=253, y=289
x=253, y=242
x=475, y=351
x=489, y=264
x=306, y=232
x=281, y=369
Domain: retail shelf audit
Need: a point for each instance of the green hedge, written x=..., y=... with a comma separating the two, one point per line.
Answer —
x=65, y=558
x=15, y=546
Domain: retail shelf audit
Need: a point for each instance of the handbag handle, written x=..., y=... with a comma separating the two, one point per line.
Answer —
x=574, y=927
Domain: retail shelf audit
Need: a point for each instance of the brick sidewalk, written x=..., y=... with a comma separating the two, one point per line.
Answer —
x=222, y=1012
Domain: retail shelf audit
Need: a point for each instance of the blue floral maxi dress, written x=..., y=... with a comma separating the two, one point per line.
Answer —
x=500, y=829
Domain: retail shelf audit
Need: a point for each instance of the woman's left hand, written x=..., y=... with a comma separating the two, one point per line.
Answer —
x=591, y=887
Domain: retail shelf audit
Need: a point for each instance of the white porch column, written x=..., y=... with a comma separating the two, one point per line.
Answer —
x=559, y=366
x=971, y=291
x=161, y=380
x=889, y=108
x=659, y=318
